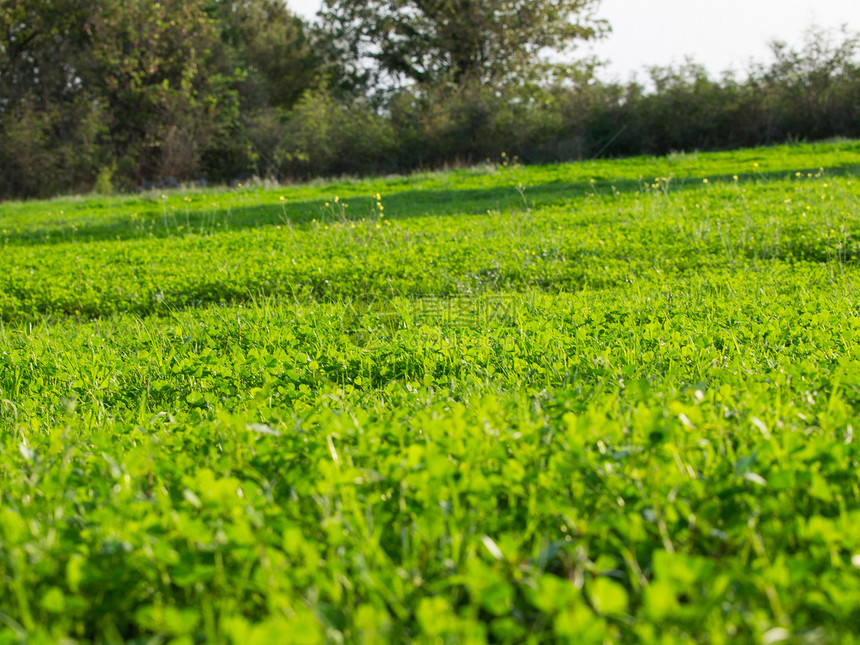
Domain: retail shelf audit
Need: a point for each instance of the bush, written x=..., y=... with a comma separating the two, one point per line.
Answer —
x=104, y=180
x=324, y=137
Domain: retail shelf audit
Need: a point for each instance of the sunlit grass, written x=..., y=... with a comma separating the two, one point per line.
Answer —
x=593, y=403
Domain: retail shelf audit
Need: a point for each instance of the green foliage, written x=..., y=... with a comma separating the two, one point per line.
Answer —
x=322, y=136
x=104, y=181
x=231, y=91
x=265, y=40
x=434, y=125
x=155, y=88
x=609, y=402
x=151, y=59
x=429, y=42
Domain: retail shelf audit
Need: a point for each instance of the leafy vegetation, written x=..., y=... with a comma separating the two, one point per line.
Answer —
x=500, y=41
x=586, y=403
x=116, y=97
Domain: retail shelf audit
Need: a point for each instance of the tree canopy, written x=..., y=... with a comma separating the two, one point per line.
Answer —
x=144, y=87
x=427, y=41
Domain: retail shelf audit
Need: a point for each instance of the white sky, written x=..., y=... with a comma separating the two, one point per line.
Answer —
x=719, y=35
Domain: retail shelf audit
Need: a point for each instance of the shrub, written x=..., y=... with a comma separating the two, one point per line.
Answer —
x=104, y=180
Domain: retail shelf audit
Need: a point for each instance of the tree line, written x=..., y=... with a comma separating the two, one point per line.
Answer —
x=114, y=95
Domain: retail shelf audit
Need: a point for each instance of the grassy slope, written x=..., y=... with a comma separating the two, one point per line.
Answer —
x=578, y=410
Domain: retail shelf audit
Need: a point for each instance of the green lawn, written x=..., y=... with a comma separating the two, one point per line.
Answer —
x=576, y=403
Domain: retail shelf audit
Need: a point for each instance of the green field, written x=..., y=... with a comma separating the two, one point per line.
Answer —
x=578, y=403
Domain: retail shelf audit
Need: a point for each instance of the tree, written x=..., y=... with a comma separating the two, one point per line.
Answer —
x=269, y=53
x=493, y=42
x=40, y=44
x=271, y=45
x=148, y=62
x=816, y=85
x=49, y=123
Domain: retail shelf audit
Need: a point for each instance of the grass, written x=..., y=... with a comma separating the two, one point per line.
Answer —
x=584, y=403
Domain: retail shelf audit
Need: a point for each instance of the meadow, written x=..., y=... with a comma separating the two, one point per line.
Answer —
x=596, y=402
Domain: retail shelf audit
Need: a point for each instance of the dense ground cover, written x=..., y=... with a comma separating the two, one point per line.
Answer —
x=578, y=403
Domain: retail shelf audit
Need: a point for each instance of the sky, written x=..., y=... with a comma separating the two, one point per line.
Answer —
x=719, y=35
